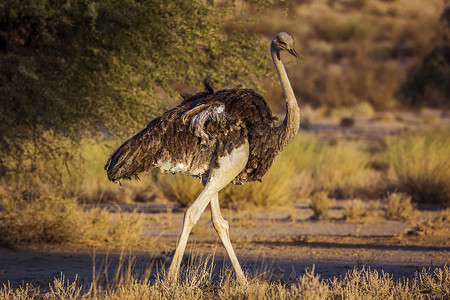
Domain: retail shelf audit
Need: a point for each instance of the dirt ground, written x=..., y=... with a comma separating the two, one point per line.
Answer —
x=278, y=244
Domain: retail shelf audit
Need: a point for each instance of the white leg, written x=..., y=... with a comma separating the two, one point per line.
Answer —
x=230, y=167
x=222, y=228
x=191, y=216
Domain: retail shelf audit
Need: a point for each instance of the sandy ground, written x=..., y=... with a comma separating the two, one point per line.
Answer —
x=271, y=244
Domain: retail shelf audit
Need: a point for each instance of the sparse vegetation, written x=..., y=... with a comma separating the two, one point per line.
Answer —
x=438, y=225
x=198, y=283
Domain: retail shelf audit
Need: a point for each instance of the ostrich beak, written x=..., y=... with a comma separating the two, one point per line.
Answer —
x=293, y=52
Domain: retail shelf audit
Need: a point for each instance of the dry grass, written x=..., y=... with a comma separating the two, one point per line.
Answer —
x=399, y=206
x=421, y=162
x=355, y=209
x=54, y=220
x=198, y=283
x=181, y=188
x=439, y=225
x=319, y=203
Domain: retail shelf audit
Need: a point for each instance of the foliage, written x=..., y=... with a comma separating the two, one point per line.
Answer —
x=73, y=66
x=421, y=162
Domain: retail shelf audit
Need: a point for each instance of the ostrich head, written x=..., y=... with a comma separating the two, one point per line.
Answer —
x=284, y=41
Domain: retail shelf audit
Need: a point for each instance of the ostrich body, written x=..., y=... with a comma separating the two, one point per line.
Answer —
x=221, y=137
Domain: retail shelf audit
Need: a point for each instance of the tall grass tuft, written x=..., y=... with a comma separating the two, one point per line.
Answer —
x=421, y=162
x=399, y=206
x=320, y=202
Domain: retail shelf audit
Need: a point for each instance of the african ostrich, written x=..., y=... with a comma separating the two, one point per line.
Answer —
x=220, y=137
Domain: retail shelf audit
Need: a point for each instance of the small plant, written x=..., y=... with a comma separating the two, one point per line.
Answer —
x=355, y=210
x=320, y=202
x=399, y=205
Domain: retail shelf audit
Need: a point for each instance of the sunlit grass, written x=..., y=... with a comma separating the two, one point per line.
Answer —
x=319, y=203
x=57, y=220
x=199, y=283
x=421, y=162
x=181, y=188
x=399, y=206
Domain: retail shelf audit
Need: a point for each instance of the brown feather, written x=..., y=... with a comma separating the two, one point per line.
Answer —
x=192, y=136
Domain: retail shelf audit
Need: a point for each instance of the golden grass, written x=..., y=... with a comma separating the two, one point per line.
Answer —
x=181, y=188
x=421, y=162
x=198, y=283
x=319, y=203
x=438, y=225
x=55, y=220
x=355, y=210
x=399, y=206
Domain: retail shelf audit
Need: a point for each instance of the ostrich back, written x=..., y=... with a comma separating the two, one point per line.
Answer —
x=193, y=136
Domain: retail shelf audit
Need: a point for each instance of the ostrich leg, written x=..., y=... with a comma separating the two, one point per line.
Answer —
x=191, y=216
x=230, y=167
x=222, y=228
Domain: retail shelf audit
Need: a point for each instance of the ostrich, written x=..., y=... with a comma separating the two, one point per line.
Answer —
x=220, y=137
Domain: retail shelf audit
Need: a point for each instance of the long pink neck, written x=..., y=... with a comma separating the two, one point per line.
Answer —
x=289, y=128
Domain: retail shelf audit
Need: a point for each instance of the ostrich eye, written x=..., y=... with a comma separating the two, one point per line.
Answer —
x=281, y=42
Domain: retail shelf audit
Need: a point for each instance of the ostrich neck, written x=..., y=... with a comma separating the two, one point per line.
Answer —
x=289, y=128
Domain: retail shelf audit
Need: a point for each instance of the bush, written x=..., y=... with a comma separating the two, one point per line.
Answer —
x=319, y=203
x=421, y=162
x=399, y=206
x=54, y=220
x=426, y=82
x=355, y=210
